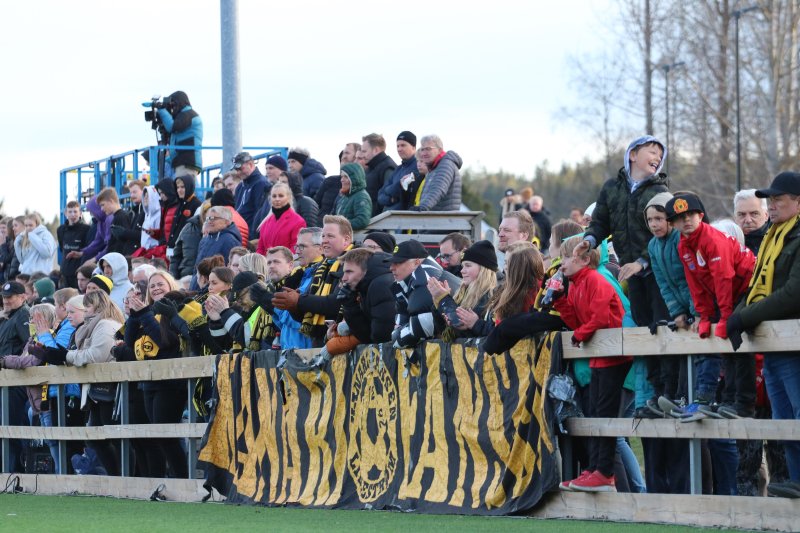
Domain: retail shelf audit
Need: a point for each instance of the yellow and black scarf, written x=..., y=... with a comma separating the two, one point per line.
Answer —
x=321, y=285
x=771, y=247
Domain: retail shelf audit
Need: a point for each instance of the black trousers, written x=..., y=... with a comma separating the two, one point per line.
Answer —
x=101, y=414
x=605, y=392
x=165, y=406
x=149, y=461
x=740, y=380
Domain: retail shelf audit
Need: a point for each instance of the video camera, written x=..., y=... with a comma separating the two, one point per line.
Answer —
x=151, y=116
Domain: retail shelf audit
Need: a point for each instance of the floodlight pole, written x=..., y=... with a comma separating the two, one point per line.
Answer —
x=736, y=16
x=231, y=93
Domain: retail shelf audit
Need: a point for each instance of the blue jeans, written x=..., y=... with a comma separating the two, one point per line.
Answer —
x=782, y=376
x=46, y=420
x=626, y=455
x=706, y=368
x=724, y=464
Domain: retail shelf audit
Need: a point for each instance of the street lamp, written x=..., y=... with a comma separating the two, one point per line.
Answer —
x=737, y=14
x=666, y=67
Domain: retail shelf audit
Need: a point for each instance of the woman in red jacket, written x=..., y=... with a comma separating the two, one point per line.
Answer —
x=282, y=224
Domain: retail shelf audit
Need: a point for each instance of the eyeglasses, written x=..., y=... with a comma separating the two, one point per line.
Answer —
x=447, y=257
x=427, y=149
x=212, y=219
x=373, y=247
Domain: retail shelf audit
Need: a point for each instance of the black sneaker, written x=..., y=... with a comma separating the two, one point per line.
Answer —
x=710, y=410
x=652, y=404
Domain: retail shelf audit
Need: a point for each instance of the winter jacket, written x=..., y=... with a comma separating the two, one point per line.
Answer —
x=326, y=197
x=40, y=254
x=119, y=276
x=718, y=269
x=7, y=260
x=544, y=226
x=72, y=238
x=379, y=173
x=143, y=336
x=417, y=318
x=313, y=175
x=14, y=331
x=185, y=129
x=94, y=341
x=121, y=223
x=280, y=232
x=303, y=205
x=784, y=301
x=102, y=232
x=441, y=188
x=619, y=213
x=220, y=243
x=137, y=216
x=370, y=313
x=241, y=225
x=185, y=252
x=249, y=197
x=591, y=303
x=392, y=197
x=169, y=208
x=668, y=270
x=356, y=205
x=185, y=211
x=753, y=239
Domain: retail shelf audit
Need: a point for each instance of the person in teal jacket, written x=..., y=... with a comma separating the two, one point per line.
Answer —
x=354, y=203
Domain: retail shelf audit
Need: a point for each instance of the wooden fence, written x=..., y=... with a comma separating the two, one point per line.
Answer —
x=778, y=514
x=427, y=227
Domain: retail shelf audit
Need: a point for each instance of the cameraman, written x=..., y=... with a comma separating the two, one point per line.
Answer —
x=185, y=128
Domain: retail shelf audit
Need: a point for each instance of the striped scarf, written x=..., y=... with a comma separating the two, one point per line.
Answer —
x=321, y=285
x=771, y=247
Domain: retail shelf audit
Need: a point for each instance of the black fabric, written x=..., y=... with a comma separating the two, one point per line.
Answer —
x=122, y=222
x=662, y=373
x=666, y=465
x=647, y=305
x=165, y=406
x=514, y=328
x=482, y=253
x=605, y=392
x=326, y=197
x=101, y=414
x=71, y=238
x=371, y=315
x=385, y=240
x=379, y=170
x=740, y=381
x=14, y=331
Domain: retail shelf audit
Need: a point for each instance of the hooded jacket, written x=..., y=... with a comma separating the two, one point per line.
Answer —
x=119, y=276
x=72, y=238
x=718, y=270
x=417, y=318
x=313, y=175
x=379, y=173
x=151, y=218
x=303, y=205
x=169, y=207
x=185, y=253
x=102, y=231
x=14, y=331
x=441, y=188
x=249, y=197
x=326, y=197
x=620, y=207
x=40, y=254
x=392, y=197
x=356, y=205
x=186, y=209
x=370, y=314
x=220, y=243
x=185, y=129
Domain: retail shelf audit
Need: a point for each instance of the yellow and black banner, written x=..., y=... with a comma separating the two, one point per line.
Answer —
x=458, y=432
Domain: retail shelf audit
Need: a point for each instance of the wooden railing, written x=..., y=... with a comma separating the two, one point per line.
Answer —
x=718, y=511
x=428, y=227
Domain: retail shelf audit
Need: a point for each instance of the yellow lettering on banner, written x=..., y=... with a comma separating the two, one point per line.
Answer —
x=316, y=488
x=433, y=435
x=338, y=368
x=290, y=416
x=465, y=424
x=408, y=418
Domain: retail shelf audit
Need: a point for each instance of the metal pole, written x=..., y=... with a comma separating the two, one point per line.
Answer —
x=231, y=94
x=738, y=14
x=666, y=96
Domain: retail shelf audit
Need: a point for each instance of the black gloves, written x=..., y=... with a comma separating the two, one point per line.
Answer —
x=166, y=308
x=735, y=329
x=262, y=296
x=54, y=356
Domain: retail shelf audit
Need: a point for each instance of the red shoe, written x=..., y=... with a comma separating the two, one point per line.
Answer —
x=596, y=482
x=567, y=485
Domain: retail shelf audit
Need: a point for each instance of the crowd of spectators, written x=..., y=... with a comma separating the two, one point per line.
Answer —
x=270, y=261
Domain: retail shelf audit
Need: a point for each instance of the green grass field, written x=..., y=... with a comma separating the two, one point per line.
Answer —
x=86, y=514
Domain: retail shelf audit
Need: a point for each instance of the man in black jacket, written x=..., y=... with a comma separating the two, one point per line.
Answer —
x=366, y=295
x=72, y=236
x=380, y=166
x=121, y=222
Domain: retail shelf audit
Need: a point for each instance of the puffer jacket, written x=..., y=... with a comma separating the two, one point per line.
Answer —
x=185, y=253
x=356, y=205
x=326, y=197
x=371, y=314
x=392, y=197
x=303, y=205
x=417, y=318
x=379, y=173
x=219, y=243
x=441, y=188
x=40, y=254
x=619, y=213
x=185, y=129
x=668, y=270
x=313, y=173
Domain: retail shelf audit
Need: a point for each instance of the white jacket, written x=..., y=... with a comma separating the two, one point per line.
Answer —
x=40, y=255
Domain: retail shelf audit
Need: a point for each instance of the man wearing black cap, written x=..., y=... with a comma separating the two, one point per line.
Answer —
x=380, y=166
x=313, y=171
x=773, y=295
x=391, y=197
x=250, y=194
x=14, y=331
x=416, y=318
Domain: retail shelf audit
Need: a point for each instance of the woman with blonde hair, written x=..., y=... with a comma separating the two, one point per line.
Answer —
x=467, y=313
x=282, y=224
x=34, y=247
x=255, y=263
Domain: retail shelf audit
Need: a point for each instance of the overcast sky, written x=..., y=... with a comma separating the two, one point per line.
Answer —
x=488, y=77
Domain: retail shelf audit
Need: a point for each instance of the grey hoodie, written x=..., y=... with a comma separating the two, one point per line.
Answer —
x=119, y=276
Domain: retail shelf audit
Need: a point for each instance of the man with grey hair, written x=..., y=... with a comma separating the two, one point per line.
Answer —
x=309, y=247
x=220, y=234
x=440, y=190
x=750, y=214
x=300, y=161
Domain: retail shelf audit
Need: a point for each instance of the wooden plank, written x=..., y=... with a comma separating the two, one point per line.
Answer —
x=129, y=431
x=138, y=488
x=774, y=336
x=737, y=512
x=181, y=368
x=670, y=428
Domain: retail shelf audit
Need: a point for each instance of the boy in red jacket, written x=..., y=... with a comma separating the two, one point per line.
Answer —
x=718, y=270
x=591, y=304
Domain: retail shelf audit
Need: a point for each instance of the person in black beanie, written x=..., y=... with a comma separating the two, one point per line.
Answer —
x=379, y=241
x=392, y=196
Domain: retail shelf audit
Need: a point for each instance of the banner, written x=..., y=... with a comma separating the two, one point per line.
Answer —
x=459, y=431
